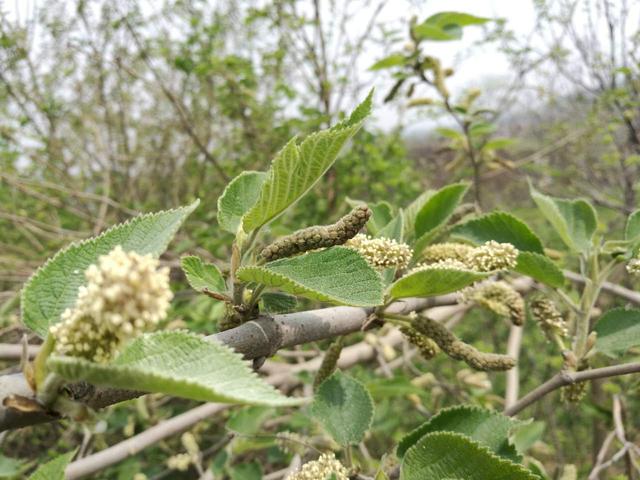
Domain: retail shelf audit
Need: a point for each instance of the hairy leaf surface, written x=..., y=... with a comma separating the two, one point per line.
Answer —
x=202, y=275
x=540, y=268
x=238, y=197
x=618, y=330
x=53, y=470
x=434, y=281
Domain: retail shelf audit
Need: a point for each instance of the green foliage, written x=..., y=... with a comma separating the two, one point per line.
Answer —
x=10, y=467
x=501, y=227
x=53, y=470
x=446, y=26
x=439, y=208
x=632, y=230
x=238, y=197
x=344, y=407
x=277, y=302
x=297, y=168
x=433, y=281
x=447, y=455
x=202, y=276
x=575, y=221
x=540, y=268
x=54, y=286
x=618, y=331
x=492, y=429
x=180, y=364
x=337, y=275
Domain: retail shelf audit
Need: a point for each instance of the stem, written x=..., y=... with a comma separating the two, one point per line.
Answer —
x=49, y=389
x=255, y=297
x=589, y=298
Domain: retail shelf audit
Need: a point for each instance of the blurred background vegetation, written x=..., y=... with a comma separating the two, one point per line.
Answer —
x=112, y=108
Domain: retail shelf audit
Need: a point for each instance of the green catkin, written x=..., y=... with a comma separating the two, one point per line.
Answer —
x=499, y=297
x=315, y=237
x=549, y=318
x=575, y=392
x=458, y=350
x=426, y=346
x=329, y=362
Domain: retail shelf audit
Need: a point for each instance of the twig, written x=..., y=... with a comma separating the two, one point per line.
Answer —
x=513, y=376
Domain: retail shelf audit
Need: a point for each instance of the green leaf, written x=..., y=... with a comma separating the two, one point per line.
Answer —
x=501, y=227
x=411, y=211
x=498, y=143
x=381, y=215
x=54, y=286
x=338, y=275
x=632, y=230
x=296, y=168
x=238, y=197
x=618, y=330
x=434, y=281
x=575, y=221
x=446, y=26
x=539, y=268
x=447, y=455
x=53, y=470
x=393, y=60
x=439, y=208
x=10, y=467
x=394, y=229
x=344, y=408
x=180, y=364
x=527, y=434
x=487, y=427
x=248, y=420
x=277, y=302
x=450, y=133
x=202, y=275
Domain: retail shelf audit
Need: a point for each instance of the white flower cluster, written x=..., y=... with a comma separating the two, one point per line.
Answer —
x=633, y=267
x=321, y=469
x=126, y=294
x=381, y=252
x=448, y=263
x=494, y=256
x=488, y=257
x=499, y=297
x=446, y=251
x=179, y=462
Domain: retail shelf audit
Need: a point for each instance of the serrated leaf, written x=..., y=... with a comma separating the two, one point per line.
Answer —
x=53, y=470
x=575, y=221
x=411, y=211
x=394, y=229
x=539, y=268
x=434, y=281
x=618, y=331
x=277, y=302
x=501, y=227
x=238, y=197
x=296, y=168
x=490, y=428
x=526, y=435
x=180, y=364
x=344, y=408
x=446, y=455
x=337, y=275
x=54, y=286
x=202, y=275
x=393, y=60
x=439, y=208
x=632, y=229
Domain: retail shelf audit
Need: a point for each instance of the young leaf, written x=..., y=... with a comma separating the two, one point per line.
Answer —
x=202, y=275
x=411, y=211
x=526, y=435
x=439, y=208
x=54, y=286
x=539, y=268
x=434, y=281
x=487, y=427
x=632, y=229
x=277, y=302
x=574, y=220
x=618, y=330
x=296, y=168
x=393, y=60
x=180, y=364
x=337, y=275
x=238, y=197
x=53, y=470
x=448, y=455
x=344, y=408
x=446, y=25
x=394, y=229
x=11, y=467
x=501, y=227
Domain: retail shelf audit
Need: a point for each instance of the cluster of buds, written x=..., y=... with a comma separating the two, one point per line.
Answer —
x=324, y=467
x=633, y=267
x=329, y=362
x=493, y=256
x=426, y=346
x=551, y=321
x=446, y=251
x=126, y=294
x=489, y=257
x=381, y=252
x=316, y=237
x=499, y=297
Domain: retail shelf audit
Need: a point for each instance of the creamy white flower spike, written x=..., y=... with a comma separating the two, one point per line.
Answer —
x=633, y=267
x=445, y=264
x=126, y=294
x=381, y=252
x=446, y=251
x=321, y=469
x=493, y=256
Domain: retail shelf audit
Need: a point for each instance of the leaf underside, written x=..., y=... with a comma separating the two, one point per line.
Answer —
x=434, y=281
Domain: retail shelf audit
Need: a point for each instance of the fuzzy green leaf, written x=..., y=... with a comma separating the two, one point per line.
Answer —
x=54, y=286
x=434, y=281
x=575, y=221
x=180, y=364
x=10, y=467
x=344, y=408
x=618, y=331
x=539, y=268
x=446, y=455
x=632, y=229
x=501, y=227
x=439, y=208
x=337, y=275
x=393, y=60
x=296, y=168
x=487, y=427
x=53, y=470
x=277, y=302
x=202, y=275
x=238, y=197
